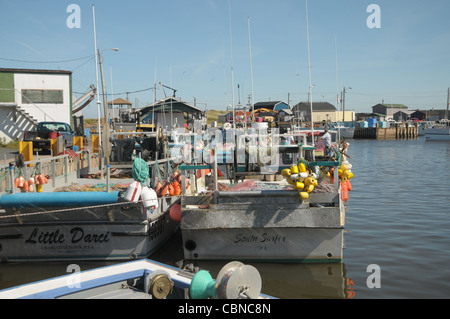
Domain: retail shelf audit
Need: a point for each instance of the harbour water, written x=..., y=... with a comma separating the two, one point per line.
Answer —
x=397, y=233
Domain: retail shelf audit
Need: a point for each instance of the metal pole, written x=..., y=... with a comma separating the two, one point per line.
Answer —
x=107, y=146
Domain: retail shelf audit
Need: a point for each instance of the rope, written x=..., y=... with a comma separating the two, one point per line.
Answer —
x=64, y=210
x=140, y=170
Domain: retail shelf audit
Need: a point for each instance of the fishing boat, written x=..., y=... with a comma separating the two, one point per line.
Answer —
x=344, y=131
x=73, y=218
x=146, y=279
x=278, y=219
x=439, y=132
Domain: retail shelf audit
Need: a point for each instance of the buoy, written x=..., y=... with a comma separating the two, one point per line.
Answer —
x=158, y=187
x=349, y=185
x=36, y=179
x=171, y=191
x=286, y=172
x=309, y=188
x=344, y=192
x=304, y=195
x=39, y=188
x=149, y=198
x=164, y=189
x=299, y=186
x=301, y=168
x=175, y=213
x=21, y=180
x=16, y=182
x=202, y=285
x=303, y=174
x=133, y=192
x=30, y=187
x=294, y=169
x=25, y=186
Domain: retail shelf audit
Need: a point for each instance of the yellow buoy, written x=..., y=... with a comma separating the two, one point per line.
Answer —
x=294, y=169
x=304, y=195
x=309, y=188
x=286, y=172
x=301, y=167
x=299, y=186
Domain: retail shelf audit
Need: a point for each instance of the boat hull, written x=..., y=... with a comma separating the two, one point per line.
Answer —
x=263, y=226
x=113, y=232
x=437, y=134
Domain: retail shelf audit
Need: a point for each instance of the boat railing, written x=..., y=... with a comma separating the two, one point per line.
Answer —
x=59, y=169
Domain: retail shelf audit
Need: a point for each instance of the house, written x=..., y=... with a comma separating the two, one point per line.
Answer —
x=402, y=116
x=419, y=115
x=388, y=110
x=170, y=111
x=323, y=111
x=29, y=96
x=272, y=105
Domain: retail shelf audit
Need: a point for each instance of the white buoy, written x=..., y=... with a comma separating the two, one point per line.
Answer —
x=149, y=198
x=133, y=192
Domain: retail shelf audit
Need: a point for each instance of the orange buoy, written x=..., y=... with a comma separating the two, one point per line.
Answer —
x=175, y=213
x=158, y=187
x=344, y=191
x=21, y=180
x=171, y=190
x=164, y=189
x=16, y=182
x=25, y=186
x=36, y=179
x=349, y=185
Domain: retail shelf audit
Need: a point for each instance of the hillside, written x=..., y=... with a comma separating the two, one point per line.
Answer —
x=213, y=115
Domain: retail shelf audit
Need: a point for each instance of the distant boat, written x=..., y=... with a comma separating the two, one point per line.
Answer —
x=437, y=134
x=344, y=131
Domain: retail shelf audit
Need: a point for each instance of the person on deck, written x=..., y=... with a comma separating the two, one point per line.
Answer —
x=326, y=138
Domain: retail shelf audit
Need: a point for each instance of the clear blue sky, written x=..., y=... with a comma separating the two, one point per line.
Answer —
x=186, y=43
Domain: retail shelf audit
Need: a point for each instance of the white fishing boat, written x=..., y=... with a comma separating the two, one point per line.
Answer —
x=344, y=131
x=145, y=279
x=270, y=220
x=437, y=134
x=79, y=222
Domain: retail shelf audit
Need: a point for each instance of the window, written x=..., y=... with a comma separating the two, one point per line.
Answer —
x=30, y=96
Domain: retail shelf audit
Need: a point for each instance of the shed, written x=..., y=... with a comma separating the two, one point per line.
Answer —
x=170, y=111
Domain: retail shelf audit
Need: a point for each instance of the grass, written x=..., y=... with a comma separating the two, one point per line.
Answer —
x=213, y=115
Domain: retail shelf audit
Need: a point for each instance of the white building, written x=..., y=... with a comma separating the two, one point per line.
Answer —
x=29, y=96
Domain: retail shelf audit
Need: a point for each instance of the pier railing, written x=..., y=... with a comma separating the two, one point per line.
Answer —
x=59, y=169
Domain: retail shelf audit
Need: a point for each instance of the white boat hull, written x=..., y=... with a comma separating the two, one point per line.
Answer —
x=437, y=134
x=107, y=233
x=263, y=226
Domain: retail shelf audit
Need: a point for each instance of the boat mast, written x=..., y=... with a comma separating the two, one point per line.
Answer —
x=309, y=69
x=232, y=71
x=98, y=91
x=251, y=70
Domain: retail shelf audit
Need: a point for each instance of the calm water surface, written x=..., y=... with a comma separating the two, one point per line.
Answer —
x=398, y=218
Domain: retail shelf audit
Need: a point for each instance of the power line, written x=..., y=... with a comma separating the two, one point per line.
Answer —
x=62, y=61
